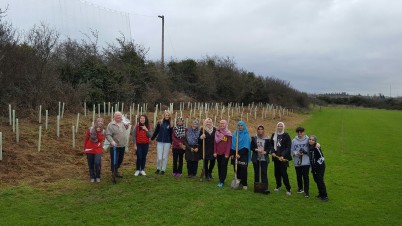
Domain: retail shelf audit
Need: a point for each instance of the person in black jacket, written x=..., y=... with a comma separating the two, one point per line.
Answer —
x=260, y=147
x=317, y=167
x=280, y=147
x=208, y=133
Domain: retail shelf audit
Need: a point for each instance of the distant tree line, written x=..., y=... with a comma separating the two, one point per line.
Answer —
x=375, y=101
x=39, y=68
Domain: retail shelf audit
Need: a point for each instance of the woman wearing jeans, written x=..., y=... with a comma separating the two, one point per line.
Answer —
x=164, y=132
x=93, y=149
x=141, y=134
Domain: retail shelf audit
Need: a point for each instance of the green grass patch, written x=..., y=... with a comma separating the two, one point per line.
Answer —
x=363, y=167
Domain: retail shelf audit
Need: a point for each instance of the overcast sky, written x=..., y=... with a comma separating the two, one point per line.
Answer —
x=319, y=46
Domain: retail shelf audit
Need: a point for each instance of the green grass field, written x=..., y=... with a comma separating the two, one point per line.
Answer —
x=362, y=177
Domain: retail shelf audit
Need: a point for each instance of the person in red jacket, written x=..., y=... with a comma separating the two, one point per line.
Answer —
x=141, y=134
x=93, y=149
x=223, y=143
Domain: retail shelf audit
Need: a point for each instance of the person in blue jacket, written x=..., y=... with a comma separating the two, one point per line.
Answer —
x=243, y=156
x=164, y=132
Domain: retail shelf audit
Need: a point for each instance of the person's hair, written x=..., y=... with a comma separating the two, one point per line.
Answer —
x=315, y=138
x=301, y=129
x=146, y=120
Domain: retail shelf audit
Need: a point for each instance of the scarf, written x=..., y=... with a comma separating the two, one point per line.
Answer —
x=220, y=133
x=179, y=130
x=208, y=129
x=244, y=137
x=193, y=134
x=93, y=133
x=275, y=137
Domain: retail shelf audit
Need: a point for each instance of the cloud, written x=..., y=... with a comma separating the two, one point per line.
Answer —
x=319, y=46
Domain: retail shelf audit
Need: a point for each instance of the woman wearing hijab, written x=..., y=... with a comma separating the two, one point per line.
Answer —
x=164, y=132
x=93, y=149
x=260, y=147
x=178, y=146
x=243, y=156
x=280, y=148
x=208, y=133
x=317, y=167
x=192, y=150
x=222, y=145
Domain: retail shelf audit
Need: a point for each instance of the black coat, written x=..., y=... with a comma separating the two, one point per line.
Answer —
x=253, y=146
x=283, y=150
x=209, y=144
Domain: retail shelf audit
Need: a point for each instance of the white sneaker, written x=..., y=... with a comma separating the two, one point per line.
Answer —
x=143, y=173
x=277, y=189
x=137, y=173
x=288, y=193
x=244, y=187
x=92, y=180
x=97, y=180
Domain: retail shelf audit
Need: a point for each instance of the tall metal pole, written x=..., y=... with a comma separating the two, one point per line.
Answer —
x=163, y=40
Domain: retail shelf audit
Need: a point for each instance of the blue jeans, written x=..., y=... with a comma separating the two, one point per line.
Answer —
x=142, y=151
x=119, y=157
x=94, y=165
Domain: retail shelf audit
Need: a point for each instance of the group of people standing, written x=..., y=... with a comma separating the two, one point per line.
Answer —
x=212, y=145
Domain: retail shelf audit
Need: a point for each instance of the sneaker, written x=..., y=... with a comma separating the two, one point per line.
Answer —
x=137, y=173
x=190, y=176
x=174, y=174
x=178, y=174
x=277, y=189
x=299, y=191
x=288, y=192
x=244, y=187
x=266, y=192
x=97, y=180
x=324, y=199
x=163, y=172
x=220, y=184
x=143, y=173
x=306, y=195
x=157, y=171
x=92, y=180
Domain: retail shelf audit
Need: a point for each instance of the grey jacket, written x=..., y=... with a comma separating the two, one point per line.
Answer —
x=297, y=146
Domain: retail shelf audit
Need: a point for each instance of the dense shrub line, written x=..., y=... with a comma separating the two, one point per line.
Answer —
x=41, y=69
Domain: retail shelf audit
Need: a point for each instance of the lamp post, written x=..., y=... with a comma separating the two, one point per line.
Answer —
x=163, y=43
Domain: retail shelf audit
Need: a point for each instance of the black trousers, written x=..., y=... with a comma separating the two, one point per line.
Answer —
x=281, y=173
x=192, y=167
x=264, y=172
x=222, y=167
x=242, y=164
x=209, y=165
x=303, y=180
x=178, y=160
x=318, y=175
x=119, y=157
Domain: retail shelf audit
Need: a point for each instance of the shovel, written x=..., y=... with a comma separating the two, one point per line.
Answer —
x=203, y=156
x=114, y=166
x=236, y=182
x=259, y=187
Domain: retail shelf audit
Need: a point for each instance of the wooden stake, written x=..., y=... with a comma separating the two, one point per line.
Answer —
x=73, y=130
x=17, y=131
x=46, y=118
x=1, y=146
x=40, y=138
